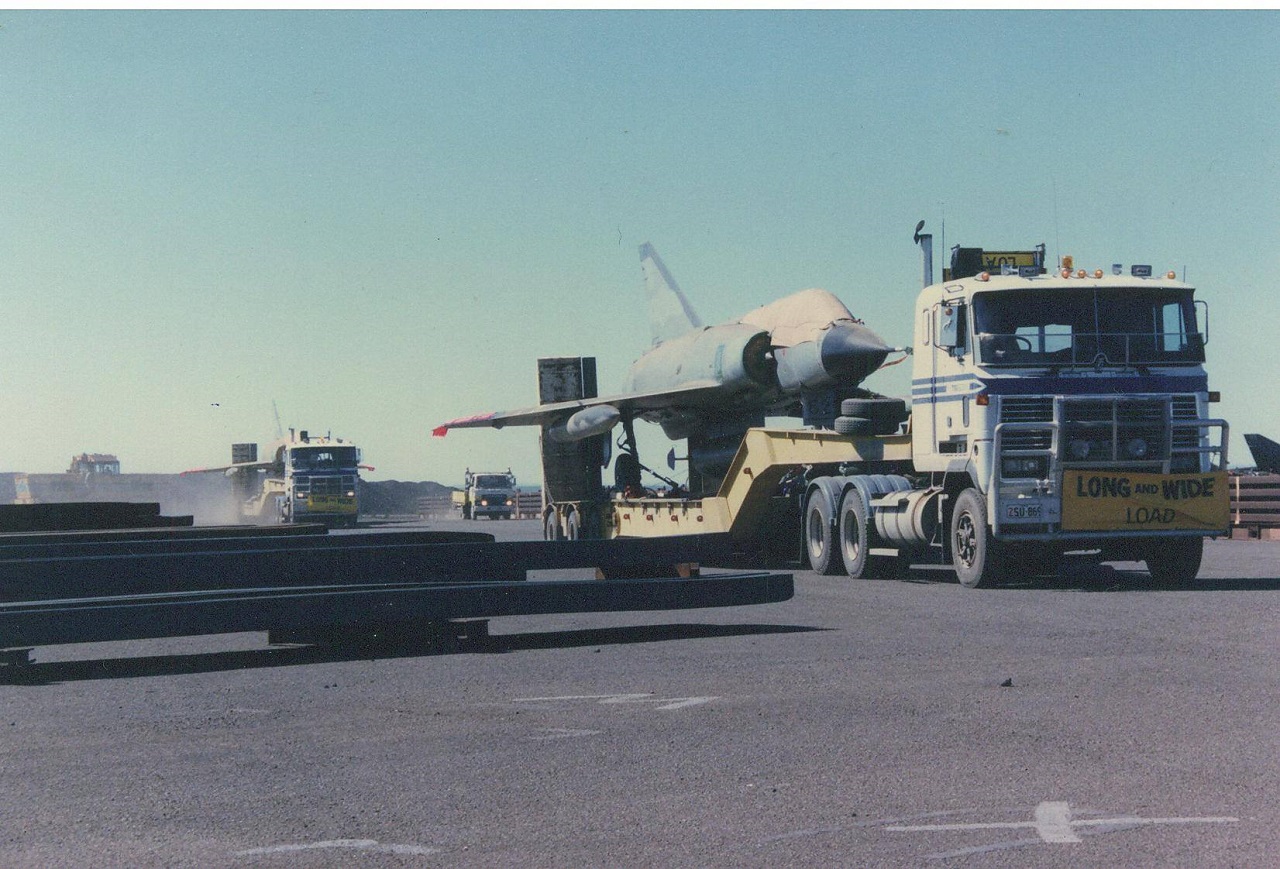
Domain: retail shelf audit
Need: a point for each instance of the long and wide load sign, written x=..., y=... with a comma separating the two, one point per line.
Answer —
x=1119, y=501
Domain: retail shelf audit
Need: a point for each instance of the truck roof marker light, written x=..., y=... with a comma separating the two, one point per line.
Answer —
x=1066, y=273
x=1097, y=273
x=984, y=276
x=1171, y=275
x=982, y=399
x=1080, y=273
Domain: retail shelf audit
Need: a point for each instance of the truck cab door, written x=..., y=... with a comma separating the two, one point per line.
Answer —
x=947, y=352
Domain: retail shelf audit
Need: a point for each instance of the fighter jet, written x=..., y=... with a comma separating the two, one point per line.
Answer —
x=710, y=383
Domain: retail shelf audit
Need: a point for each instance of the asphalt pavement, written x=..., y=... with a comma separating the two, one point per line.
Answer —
x=1089, y=720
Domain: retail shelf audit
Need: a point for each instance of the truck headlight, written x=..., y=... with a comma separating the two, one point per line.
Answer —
x=1136, y=448
x=1018, y=467
x=1079, y=449
x=484, y=502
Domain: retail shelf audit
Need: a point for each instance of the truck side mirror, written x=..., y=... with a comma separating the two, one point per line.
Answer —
x=950, y=326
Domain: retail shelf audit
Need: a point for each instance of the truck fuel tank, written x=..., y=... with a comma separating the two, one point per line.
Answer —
x=908, y=518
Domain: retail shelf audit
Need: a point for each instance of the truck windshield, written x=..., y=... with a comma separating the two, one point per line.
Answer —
x=324, y=458
x=1081, y=327
x=492, y=481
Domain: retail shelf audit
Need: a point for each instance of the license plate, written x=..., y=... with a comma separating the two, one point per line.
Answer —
x=1023, y=511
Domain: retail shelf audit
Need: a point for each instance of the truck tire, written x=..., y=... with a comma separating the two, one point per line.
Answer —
x=551, y=526
x=974, y=554
x=853, y=425
x=1175, y=563
x=573, y=526
x=886, y=414
x=853, y=534
x=820, y=535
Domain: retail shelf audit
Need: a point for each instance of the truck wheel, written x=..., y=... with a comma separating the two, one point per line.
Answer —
x=573, y=526
x=973, y=553
x=1175, y=563
x=551, y=527
x=819, y=535
x=853, y=534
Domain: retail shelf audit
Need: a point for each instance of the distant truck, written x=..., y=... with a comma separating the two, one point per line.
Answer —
x=487, y=493
x=305, y=479
x=94, y=464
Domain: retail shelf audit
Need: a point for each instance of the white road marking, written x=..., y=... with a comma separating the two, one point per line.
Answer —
x=665, y=704
x=1053, y=823
x=562, y=733
x=683, y=702
x=371, y=845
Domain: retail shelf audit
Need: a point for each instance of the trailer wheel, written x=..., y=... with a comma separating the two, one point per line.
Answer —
x=819, y=535
x=853, y=534
x=551, y=526
x=573, y=526
x=1175, y=563
x=974, y=554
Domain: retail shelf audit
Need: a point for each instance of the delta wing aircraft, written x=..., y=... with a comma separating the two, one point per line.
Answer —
x=1266, y=453
x=709, y=384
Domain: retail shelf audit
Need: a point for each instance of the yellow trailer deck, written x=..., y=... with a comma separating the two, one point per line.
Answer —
x=743, y=501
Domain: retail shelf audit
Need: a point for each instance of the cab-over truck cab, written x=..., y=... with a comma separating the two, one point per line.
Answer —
x=1067, y=411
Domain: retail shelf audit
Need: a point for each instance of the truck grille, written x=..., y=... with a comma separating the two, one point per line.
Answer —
x=337, y=485
x=1027, y=439
x=1020, y=409
x=1128, y=431
x=1184, y=407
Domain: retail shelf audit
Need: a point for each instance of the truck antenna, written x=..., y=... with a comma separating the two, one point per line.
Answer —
x=279, y=428
x=1057, y=240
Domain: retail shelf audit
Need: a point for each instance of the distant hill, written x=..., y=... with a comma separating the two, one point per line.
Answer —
x=394, y=498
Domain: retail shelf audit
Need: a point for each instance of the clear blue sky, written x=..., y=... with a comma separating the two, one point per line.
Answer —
x=380, y=220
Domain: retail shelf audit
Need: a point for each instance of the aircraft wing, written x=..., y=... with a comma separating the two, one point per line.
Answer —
x=635, y=404
x=225, y=469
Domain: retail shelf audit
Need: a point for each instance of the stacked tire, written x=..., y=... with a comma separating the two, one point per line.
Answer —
x=871, y=416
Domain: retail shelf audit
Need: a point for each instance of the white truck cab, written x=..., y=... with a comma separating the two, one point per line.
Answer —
x=1075, y=403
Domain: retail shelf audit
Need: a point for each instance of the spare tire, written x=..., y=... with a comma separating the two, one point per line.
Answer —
x=854, y=425
x=886, y=414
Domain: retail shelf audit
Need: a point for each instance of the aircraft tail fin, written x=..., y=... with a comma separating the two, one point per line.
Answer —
x=670, y=313
x=1266, y=453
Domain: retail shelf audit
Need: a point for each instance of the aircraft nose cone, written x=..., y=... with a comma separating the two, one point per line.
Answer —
x=851, y=352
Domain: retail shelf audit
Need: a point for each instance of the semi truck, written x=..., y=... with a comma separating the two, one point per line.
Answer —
x=487, y=493
x=1051, y=411
x=307, y=478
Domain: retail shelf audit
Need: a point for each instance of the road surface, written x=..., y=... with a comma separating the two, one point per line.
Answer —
x=1085, y=721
